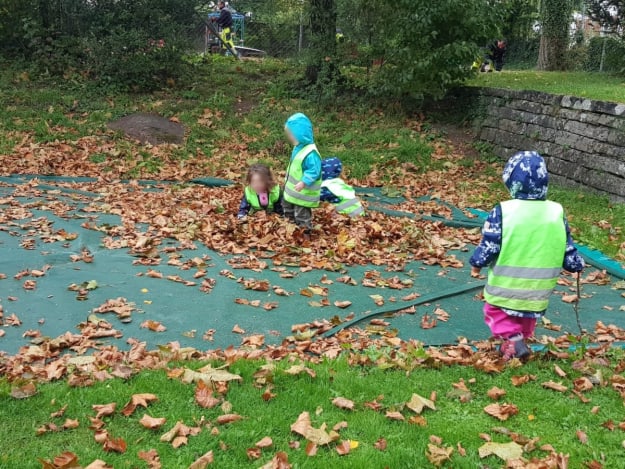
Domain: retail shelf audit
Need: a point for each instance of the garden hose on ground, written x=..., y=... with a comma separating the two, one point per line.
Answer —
x=422, y=300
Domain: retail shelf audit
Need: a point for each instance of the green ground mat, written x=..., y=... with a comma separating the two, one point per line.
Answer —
x=187, y=312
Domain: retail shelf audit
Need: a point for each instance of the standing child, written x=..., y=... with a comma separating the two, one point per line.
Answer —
x=303, y=179
x=338, y=192
x=526, y=243
x=261, y=192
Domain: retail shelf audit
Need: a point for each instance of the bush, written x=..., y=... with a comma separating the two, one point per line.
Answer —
x=133, y=44
x=614, y=60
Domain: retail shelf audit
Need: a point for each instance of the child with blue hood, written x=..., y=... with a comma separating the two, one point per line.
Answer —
x=336, y=191
x=302, y=188
x=526, y=242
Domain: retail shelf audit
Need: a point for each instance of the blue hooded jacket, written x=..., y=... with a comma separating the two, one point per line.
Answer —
x=526, y=177
x=302, y=129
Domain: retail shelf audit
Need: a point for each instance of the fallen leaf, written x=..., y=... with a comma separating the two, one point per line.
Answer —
x=501, y=411
x=381, y=444
x=343, y=403
x=228, y=418
x=116, y=445
x=504, y=451
x=311, y=449
x=554, y=386
x=582, y=437
x=570, y=298
x=520, y=380
x=138, y=400
x=237, y=330
x=279, y=461
x=154, y=326
x=418, y=403
x=343, y=448
x=427, y=322
x=152, y=422
x=342, y=304
x=203, y=461
x=438, y=455
x=302, y=424
x=24, y=391
x=70, y=423
x=204, y=396
x=66, y=460
x=559, y=371
x=582, y=384
x=496, y=393
x=253, y=453
x=104, y=409
x=394, y=415
x=151, y=457
x=264, y=443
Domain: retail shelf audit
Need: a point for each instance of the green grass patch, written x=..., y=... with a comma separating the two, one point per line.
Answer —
x=601, y=86
x=551, y=416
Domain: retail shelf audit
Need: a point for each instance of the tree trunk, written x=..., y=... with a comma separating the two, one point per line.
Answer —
x=323, y=40
x=554, y=37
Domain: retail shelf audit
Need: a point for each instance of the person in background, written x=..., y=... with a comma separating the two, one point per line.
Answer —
x=303, y=179
x=526, y=242
x=495, y=55
x=261, y=192
x=336, y=191
x=225, y=23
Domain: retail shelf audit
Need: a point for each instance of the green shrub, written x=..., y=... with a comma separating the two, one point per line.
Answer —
x=614, y=60
x=130, y=44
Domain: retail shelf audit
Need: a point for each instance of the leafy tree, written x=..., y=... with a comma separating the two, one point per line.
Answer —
x=322, y=41
x=424, y=48
x=609, y=13
x=555, y=17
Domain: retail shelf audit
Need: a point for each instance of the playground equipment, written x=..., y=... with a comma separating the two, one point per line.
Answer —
x=212, y=38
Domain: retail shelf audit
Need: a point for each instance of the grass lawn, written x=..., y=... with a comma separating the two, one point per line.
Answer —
x=601, y=86
x=553, y=417
x=234, y=113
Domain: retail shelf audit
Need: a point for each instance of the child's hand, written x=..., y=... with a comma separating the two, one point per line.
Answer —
x=299, y=186
x=475, y=272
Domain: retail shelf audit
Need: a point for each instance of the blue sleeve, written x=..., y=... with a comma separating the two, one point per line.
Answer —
x=244, y=208
x=490, y=245
x=312, y=168
x=573, y=262
x=328, y=196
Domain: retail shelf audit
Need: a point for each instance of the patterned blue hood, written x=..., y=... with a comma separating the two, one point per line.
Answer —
x=331, y=168
x=526, y=177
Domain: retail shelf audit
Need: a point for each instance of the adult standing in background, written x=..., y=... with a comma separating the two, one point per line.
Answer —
x=496, y=53
x=225, y=23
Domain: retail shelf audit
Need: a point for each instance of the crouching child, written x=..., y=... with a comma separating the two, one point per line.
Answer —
x=336, y=191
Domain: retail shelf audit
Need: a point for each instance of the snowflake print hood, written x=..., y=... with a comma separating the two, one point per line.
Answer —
x=526, y=176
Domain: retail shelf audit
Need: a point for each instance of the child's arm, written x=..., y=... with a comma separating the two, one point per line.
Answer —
x=244, y=208
x=490, y=245
x=312, y=168
x=328, y=196
x=573, y=262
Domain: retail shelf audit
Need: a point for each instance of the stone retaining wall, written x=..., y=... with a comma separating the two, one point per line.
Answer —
x=582, y=140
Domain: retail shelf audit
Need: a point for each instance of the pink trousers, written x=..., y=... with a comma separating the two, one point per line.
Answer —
x=503, y=325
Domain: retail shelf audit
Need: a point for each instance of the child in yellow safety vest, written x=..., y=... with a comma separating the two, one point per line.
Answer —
x=261, y=192
x=526, y=243
x=336, y=191
x=302, y=187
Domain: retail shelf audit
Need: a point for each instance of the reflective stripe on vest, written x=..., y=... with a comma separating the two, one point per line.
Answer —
x=530, y=261
x=348, y=203
x=309, y=195
x=252, y=198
